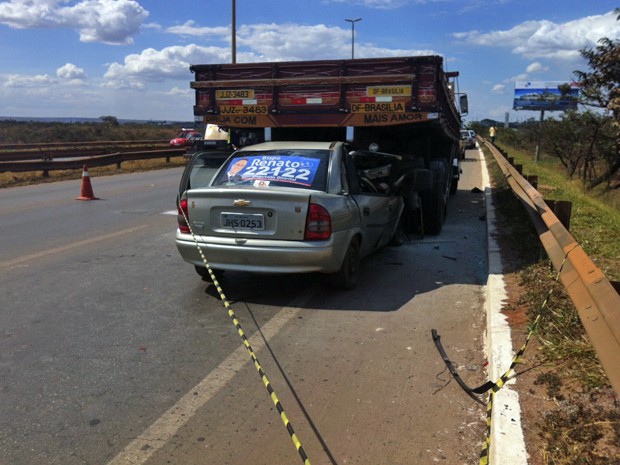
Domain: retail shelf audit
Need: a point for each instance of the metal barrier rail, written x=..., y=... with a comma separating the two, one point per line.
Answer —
x=81, y=144
x=75, y=149
x=595, y=299
x=78, y=163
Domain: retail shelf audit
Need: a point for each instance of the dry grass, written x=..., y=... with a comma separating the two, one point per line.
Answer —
x=29, y=178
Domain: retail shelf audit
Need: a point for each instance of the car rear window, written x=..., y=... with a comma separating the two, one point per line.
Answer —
x=304, y=169
x=204, y=168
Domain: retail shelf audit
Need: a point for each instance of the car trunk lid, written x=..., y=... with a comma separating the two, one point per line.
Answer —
x=278, y=214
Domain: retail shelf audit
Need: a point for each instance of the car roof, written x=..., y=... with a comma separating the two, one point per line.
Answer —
x=280, y=145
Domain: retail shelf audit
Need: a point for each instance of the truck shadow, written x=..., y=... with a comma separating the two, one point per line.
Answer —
x=390, y=279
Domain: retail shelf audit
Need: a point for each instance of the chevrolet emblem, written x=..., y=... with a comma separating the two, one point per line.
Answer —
x=241, y=203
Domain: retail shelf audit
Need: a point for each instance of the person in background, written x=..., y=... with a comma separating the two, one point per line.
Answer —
x=492, y=132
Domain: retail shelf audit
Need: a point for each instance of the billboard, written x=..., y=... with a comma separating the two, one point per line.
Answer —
x=546, y=95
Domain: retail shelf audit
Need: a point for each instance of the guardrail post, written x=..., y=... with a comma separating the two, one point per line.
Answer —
x=533, y=180
x=562, y=209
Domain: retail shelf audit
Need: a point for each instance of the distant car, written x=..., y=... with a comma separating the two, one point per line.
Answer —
x=469, y=141
x=290, y=207
x=186, y=138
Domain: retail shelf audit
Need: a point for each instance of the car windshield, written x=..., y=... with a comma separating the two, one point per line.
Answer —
x=301, y=168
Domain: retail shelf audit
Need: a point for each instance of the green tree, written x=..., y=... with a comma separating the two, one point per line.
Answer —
x=109, y=120
x=580, y=141
x=600, y=87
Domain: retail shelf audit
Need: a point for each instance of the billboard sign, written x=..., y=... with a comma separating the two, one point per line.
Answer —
x=546, y=95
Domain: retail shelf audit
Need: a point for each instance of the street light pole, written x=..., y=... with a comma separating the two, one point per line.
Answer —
x=234, y=31
x=353, y=21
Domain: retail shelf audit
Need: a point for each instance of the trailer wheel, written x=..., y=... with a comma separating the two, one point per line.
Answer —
x=434, y=201
x=454, y=185
x=347, y=276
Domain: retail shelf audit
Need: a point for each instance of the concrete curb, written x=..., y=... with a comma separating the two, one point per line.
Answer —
x=507, y=441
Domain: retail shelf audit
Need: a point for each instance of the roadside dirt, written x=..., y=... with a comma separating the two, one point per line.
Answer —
x=565, y=420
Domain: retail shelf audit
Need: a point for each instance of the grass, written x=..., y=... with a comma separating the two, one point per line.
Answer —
x=595, y=218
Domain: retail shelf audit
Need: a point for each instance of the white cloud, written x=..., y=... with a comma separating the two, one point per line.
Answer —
x=70, y=72
x=191, y=29
x=182, y=92
x=36, y=81
x=157, y=65
x=546, y=39
x=498, y=89
x=260, y=42
x=107, y=21
x=536, y=67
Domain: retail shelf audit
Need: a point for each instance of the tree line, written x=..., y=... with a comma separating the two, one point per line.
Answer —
x=109, y=128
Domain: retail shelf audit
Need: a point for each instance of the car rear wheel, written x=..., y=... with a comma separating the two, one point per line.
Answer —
x=204, y=274
x=347, y=276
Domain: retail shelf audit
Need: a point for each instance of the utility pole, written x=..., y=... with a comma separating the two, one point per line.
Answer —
x=353, y=21
x=234, y=31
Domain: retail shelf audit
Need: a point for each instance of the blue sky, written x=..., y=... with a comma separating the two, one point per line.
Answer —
x=130, y=58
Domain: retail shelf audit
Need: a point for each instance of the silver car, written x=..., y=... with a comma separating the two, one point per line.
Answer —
x=290, y=207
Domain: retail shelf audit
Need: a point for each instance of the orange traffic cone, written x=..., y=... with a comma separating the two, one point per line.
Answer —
x=87, y=190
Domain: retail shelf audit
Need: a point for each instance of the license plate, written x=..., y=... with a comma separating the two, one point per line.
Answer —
x=254, y=222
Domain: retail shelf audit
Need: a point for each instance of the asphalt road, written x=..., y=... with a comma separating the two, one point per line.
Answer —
x=113, y=351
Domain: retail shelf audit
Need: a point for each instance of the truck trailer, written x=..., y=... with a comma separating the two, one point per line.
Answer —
x=398, y=105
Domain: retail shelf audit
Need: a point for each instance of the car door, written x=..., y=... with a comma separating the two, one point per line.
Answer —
x=379, y=209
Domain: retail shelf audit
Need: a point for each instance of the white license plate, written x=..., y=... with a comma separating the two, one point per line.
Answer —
x=254, y=222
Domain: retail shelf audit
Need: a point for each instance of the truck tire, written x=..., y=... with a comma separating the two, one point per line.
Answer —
x=423, y=180
x=454, y=185
x=347, y=276
x=434, y=205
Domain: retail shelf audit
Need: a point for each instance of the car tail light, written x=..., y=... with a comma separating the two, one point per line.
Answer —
x=182, y=209
x=318, y=224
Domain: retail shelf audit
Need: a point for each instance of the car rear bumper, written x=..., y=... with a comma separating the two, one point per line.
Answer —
x=265, y=256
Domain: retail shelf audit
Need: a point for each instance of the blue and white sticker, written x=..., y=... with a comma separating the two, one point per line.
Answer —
x=280, y=168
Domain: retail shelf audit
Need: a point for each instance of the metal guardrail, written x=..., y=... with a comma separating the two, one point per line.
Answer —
x=78, y=161
x=116, y=143
x=594, y=297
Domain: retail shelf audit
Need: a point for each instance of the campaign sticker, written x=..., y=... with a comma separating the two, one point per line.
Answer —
x=280, y=168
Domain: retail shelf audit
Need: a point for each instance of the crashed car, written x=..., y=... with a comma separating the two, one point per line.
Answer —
x=290, y=207
x=185, y=138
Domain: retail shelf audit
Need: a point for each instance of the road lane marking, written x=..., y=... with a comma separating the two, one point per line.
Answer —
x=163, y=429
x=64, y=248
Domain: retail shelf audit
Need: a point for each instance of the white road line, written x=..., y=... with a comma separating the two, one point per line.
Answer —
x=507, y=441
x=44, y=253
x=159, y=433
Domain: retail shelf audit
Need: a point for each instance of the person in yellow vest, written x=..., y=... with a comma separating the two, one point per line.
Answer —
x=492, y=131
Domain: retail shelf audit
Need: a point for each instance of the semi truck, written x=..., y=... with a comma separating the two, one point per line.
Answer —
x=398, y=105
